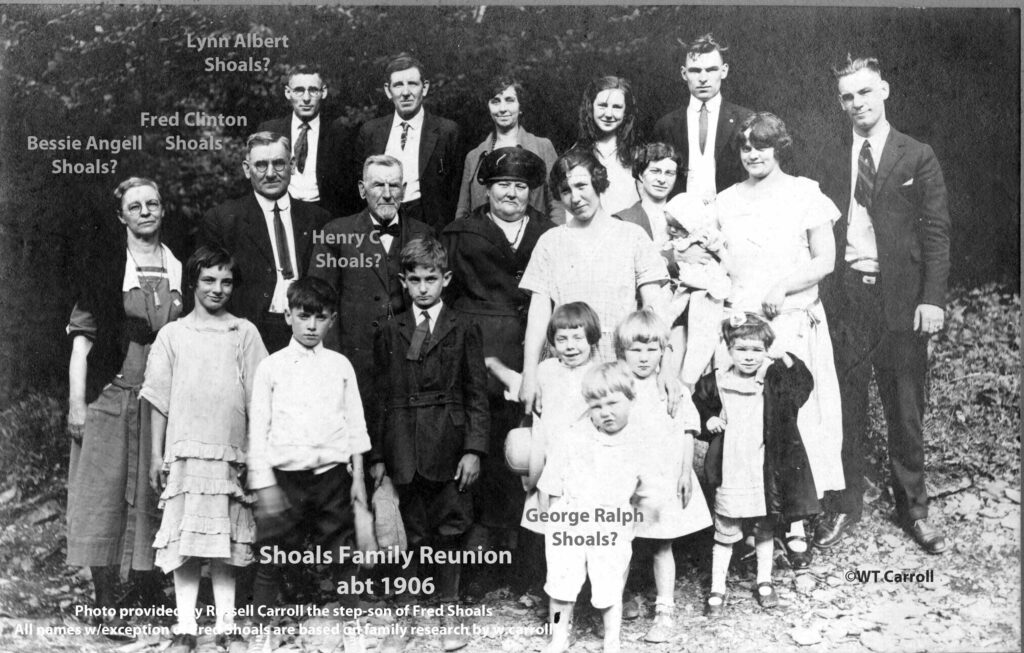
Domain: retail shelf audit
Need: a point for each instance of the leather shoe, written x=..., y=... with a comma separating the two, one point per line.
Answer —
x=798, y=559
x=929, y=537
x=832, y=527
x=630, y=608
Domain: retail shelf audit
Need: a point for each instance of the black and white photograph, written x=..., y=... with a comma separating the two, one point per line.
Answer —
x=361, y=328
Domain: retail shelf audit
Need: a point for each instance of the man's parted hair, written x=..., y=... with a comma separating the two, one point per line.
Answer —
x=403, y=61
x=704, y=44
x=303, y=69
x=381, y=160
x=852, y=65
x=427, y=252
x=267, y=138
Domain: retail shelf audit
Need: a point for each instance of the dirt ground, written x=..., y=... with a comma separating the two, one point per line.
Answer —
x=965, y=600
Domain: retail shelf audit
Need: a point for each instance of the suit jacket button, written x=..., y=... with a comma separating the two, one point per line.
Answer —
x=266, y=294
x=413, y=398
x=376, y=298
x=375, y=324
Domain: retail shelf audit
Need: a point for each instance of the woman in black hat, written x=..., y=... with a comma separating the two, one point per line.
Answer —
x=488, y=251
x=505, y=98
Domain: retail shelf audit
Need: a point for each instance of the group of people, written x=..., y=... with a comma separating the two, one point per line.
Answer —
x=620, y=299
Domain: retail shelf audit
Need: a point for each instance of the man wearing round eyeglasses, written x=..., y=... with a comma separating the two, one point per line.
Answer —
x=270, y=234
x=318, y=146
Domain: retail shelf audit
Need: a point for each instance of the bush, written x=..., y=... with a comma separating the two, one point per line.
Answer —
x=34, y=445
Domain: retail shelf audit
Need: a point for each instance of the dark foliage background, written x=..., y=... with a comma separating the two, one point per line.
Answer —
x=90, y=71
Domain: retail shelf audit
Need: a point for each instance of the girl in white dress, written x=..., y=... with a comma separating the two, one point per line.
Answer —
x=607, y=118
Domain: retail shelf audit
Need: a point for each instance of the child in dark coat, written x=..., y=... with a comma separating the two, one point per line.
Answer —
x=757, y=461
x=431, y=423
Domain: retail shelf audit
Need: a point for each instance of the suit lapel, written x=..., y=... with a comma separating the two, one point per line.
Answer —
x=892, y=152
x=255, y=229
x=445, y=323
x=428, y=139
x=380, y=139
x=406, y=325
x=726, y=128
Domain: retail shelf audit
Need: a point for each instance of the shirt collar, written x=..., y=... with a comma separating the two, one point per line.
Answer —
x=171, y=265
x=714, y=104
x=434, y=312
x=267, y=204
x=298, y=350
x=877, y=140
x=416, y=122
x=314, y=123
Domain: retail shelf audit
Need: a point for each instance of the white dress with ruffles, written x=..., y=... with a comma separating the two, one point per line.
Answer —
x=200, y=375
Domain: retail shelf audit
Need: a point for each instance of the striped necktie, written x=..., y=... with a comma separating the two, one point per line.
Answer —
x=865, y=187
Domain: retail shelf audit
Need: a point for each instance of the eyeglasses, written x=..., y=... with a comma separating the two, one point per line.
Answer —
x=262, y=166
x=135, y=208
x=314, y=91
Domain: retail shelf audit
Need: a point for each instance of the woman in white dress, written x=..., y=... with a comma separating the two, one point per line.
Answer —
x=778, y=229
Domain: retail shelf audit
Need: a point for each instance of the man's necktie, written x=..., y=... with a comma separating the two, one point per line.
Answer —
x=865, y=187
x=285, y=262
x=302, y=146
x=703, y=126
x=419, y=338
x=405, y=133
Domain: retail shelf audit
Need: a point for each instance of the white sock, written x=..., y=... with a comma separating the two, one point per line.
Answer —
x=764, y=551
x=796, y=529
x=667, y=601
x=720, y=556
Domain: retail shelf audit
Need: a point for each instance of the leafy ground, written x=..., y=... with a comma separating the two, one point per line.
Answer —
x=969, y=599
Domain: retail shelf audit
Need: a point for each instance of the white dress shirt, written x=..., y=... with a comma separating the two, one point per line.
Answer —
x=303, y=184
x=306, y=413
x=861, y=246
x=700, y=178
x=410, y=156
x=279, y=302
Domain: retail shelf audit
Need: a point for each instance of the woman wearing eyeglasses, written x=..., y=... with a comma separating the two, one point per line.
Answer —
x=123, y=298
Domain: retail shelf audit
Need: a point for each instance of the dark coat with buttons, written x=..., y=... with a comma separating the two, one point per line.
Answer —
x=239, y=227
x=427, y=413
x=789, y=489
x=366, y=279
x=485, y=279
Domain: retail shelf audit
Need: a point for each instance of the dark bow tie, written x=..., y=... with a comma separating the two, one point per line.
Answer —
x=390, y=229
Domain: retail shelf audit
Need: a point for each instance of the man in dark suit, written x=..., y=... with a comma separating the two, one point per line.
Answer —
x=886, y=297
x=358, y=255
x=704, y=131
x=427, y=145
x=318, y=148
x=269, y=234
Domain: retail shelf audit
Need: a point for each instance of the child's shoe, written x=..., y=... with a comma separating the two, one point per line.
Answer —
x=663, y=627
x=182, y=643
x=768, y=599
x=715, y=605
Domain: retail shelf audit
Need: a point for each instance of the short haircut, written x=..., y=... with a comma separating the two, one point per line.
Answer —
x=427, y=252
x=267, y=138
x=403, y=61
x=747, y=326
x=209, y=256
x=302, y=69
x=626, y=135
x=571, y=316
x=500, y=83
x=381, y=160
x=574, y=158
x=766, y=130
x=852, y=65
x=133, y=182
x=704, y=44
x=640, y=326
x=606, y=378
x=312, y=295
x=645, y=155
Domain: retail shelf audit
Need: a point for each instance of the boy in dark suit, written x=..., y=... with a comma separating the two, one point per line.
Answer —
x=430, y=425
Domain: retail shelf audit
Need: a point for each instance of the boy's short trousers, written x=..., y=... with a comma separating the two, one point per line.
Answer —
x=570, y=565
x=319, y=507
x=729, y=530
x=433, y=509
